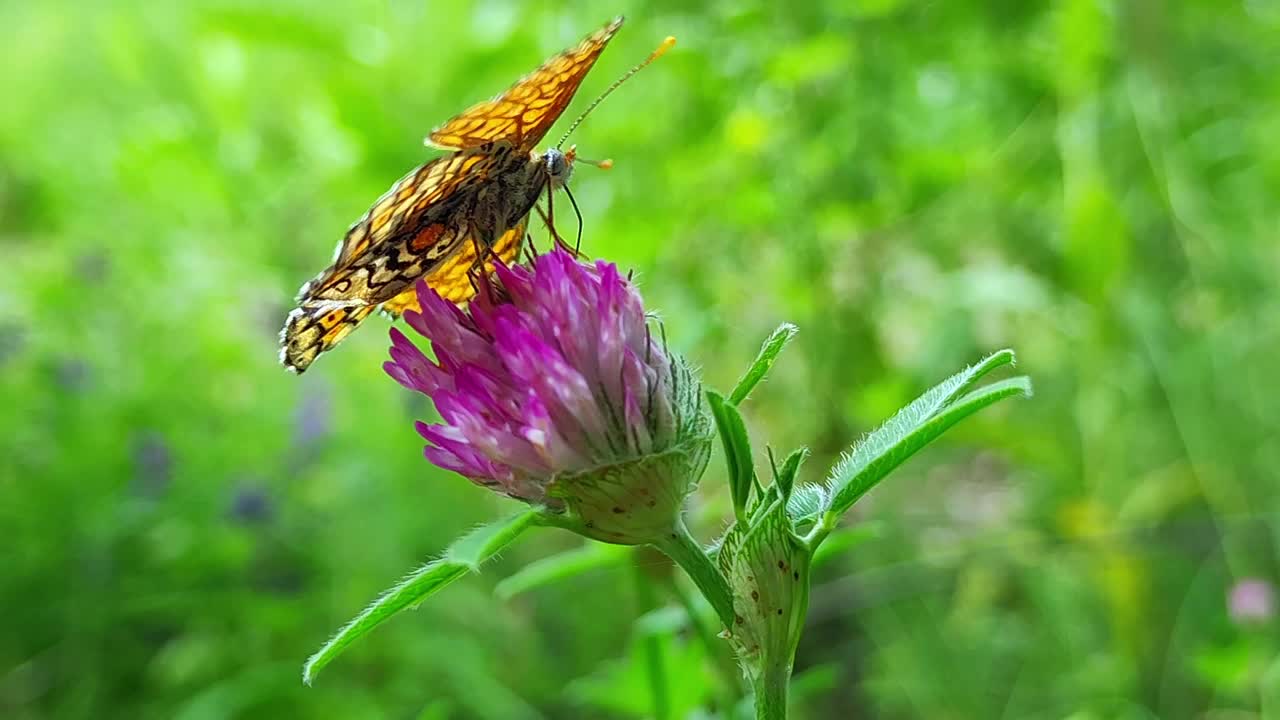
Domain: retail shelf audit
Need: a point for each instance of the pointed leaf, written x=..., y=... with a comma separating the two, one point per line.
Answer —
x=769, y=352
x=466, y=555
x=737, y=450
x=913, y=427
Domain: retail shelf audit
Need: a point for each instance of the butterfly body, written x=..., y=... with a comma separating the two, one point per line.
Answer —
x=449, y=217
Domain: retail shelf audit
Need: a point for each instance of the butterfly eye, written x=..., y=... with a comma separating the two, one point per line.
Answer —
x=556, y=163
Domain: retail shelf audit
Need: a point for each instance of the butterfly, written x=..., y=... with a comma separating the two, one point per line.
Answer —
x=452, y=216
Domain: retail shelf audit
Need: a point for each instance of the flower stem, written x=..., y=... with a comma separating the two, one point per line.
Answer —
x=771, y=692
x=680, y=546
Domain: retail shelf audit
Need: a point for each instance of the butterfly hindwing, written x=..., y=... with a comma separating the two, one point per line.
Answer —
x=453, y=280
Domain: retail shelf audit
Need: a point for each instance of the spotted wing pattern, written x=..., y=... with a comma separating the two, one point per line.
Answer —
x=314, y=330
x=528, y=109
x=422, y=220
x=408, y=199
x=453, y=278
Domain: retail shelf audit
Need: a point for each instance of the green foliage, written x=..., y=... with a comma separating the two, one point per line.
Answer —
x=785, y=477
x=769, y=352
x=561, y=567
x=463, y=557
x=622, y=686
x=913, y=427
x=737, y=451
x=915, y=184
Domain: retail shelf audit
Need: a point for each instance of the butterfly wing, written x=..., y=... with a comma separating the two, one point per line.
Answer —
x=452, y=278
x=423, y=190
x=421, y=221
x=526, y=111
x=310, y=331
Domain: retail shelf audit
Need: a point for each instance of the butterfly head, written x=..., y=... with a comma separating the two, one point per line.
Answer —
x=558, y=165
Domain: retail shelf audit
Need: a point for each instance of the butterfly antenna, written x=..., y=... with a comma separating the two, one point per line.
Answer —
x=577, y=245
x=662, y=49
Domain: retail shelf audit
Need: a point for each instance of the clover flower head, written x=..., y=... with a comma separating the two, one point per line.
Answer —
x=552, y=388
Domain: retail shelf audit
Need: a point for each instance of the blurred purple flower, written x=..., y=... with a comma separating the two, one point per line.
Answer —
x=313, y=418
x=71, y=375
x=1251, y=600
x=251, y=504
x=93, y=266
x=152, y=465
x=553, y=390
x=12, y=340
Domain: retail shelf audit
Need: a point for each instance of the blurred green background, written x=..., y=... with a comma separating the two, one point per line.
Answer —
x=915, y=184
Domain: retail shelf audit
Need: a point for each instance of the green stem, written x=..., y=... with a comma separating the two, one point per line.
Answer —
x=771, y=692
x=680, y=546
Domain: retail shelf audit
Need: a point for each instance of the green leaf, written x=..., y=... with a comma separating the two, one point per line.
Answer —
x=915, y=426
x=561, y=566
x=807, y=502
x=466, y=555
x=737, y=450
x=769, y=352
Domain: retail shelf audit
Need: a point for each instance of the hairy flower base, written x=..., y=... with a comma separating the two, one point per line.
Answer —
x=633, y=502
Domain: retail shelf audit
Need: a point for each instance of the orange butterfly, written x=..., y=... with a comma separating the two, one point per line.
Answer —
x=450, y=216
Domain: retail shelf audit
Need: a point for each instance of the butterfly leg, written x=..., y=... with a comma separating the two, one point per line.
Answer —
x=551, y=228
x=530, y=250
x=551, y=217
x=577, y=245
x=475, y=273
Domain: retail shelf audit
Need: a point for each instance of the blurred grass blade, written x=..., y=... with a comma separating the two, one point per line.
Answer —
x=844, y=539
x=915, y=426
x=815, y=681
x=561, y=566
x=737, y=450
x=769, y=352
x=466, y=555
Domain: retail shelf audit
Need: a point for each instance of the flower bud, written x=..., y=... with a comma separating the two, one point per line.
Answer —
x=767, y=568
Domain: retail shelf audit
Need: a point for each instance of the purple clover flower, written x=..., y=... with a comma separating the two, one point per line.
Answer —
x=553, y=390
